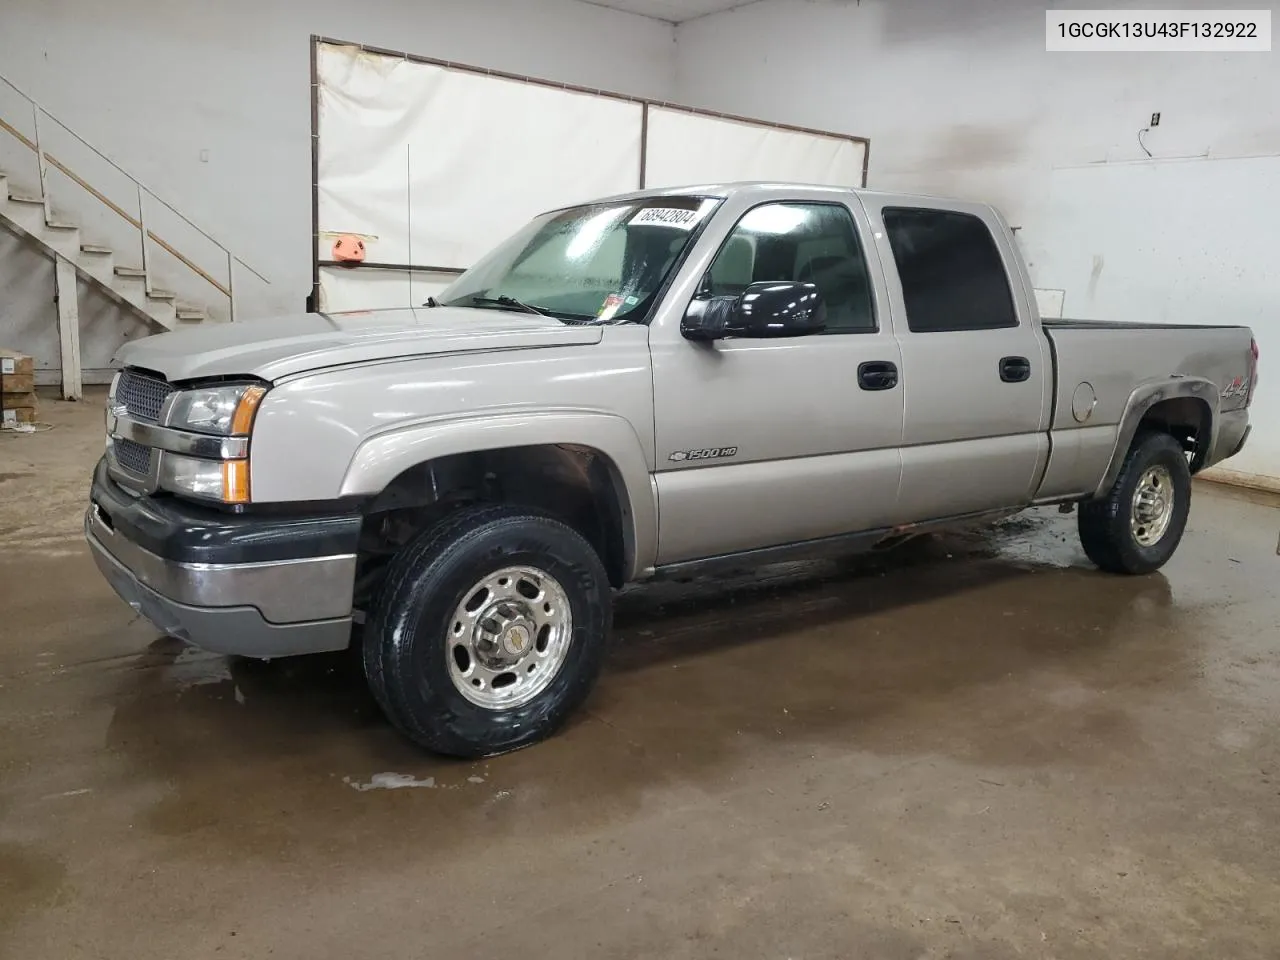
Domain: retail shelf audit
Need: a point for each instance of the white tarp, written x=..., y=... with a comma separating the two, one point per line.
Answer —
x=433, y=165
x=344, y=288
x=686, y=147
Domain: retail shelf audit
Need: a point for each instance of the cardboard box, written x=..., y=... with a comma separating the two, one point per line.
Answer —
x=17, y=384
x=17, y=387
x=13, y=362
x=12, y=401
x=18, y=415
x=17, y=374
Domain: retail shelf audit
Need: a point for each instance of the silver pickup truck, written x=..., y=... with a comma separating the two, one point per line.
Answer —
x=651, y=384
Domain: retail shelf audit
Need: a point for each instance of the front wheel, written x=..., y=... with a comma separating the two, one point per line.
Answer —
x=489, y=630
x=1138, y=525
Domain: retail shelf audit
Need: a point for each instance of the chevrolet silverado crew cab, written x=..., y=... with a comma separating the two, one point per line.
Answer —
x=651, y=384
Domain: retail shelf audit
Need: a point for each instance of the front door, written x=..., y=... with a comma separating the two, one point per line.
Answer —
x=768, y=442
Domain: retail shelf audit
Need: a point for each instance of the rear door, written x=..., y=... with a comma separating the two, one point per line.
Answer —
x=977, y=370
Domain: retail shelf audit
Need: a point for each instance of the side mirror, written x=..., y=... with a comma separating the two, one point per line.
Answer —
x=776, y=309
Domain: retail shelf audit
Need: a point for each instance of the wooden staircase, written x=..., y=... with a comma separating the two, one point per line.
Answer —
x=29, y=210
x=24, y=212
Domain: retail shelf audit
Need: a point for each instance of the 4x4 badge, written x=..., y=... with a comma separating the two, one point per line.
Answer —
x=1239, y=387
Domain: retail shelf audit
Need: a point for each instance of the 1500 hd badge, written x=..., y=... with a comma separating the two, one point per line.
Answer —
x=710, y=453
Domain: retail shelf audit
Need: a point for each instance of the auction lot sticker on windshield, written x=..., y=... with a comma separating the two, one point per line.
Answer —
x=667, y=217
x=612, y=304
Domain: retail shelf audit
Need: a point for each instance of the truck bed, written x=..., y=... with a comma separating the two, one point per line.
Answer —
x=1116, y=358
x=1098, y=365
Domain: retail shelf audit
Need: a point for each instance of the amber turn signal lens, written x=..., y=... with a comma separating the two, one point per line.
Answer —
x=242, y=421
x=235, y=481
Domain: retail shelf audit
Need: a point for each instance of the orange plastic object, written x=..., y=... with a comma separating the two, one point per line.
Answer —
x=235, y=481
x=348, y=249
x=242, y=419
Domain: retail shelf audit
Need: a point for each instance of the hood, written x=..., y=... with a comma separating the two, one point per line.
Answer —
x=282, y=346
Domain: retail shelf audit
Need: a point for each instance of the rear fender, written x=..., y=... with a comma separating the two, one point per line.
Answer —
x=1141, y=401
x=383, y=457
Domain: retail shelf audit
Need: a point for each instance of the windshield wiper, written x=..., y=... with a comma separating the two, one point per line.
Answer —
x=505, y=301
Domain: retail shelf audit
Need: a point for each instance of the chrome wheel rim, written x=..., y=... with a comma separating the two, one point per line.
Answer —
x=509, y=637
x=1153, y=503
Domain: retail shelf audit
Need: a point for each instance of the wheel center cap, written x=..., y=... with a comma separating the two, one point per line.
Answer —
x=516, y=640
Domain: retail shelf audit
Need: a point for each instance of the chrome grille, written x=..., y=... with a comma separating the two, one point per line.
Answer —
x=141, y=395
x=133, y=456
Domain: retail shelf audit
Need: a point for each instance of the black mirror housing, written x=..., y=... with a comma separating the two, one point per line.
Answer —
x=772, y=309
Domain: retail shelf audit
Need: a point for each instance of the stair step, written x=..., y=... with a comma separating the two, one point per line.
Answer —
x=162, y=312
x=161, y=295
x=97, y=266
x=136, y=272
x=192, y=314
x=26, y=198
x=96, y=248
x=61, y=225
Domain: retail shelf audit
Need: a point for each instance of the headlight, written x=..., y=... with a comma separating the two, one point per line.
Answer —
x=221, y=411
x=226, y=481
x=226, y=411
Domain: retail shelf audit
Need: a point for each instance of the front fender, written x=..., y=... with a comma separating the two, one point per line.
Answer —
x=384, y=456
x=1142, y=400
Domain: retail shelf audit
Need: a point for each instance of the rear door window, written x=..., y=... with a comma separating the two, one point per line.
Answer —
x=951, y=271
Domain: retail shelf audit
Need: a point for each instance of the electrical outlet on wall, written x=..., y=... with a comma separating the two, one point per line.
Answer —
x=1155, y=119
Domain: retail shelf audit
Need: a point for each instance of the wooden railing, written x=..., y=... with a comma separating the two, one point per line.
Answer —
x=147, y=237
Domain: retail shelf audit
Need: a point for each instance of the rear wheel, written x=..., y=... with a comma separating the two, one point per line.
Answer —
x=489, y=630
x=1138, y=525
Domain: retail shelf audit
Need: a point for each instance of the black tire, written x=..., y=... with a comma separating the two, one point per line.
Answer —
x=1105, y=529
x=405, y=643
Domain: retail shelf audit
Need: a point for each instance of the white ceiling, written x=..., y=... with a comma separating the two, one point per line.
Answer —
x=673, y=11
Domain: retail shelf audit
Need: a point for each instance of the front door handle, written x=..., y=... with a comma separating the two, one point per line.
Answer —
x=877, y=375
x=1015, y=369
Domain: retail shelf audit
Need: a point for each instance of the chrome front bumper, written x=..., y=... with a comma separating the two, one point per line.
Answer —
x=272, y=609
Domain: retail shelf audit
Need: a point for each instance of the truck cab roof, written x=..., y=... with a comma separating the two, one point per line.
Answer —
x=764, y=190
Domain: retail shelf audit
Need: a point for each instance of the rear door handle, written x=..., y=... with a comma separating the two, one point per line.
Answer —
x=877, y=375
x=1015, y=369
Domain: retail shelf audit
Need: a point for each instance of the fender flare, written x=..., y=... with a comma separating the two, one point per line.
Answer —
x=382, y=457
x=1141, y=401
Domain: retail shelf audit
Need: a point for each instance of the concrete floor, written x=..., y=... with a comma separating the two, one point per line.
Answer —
x=978, y=747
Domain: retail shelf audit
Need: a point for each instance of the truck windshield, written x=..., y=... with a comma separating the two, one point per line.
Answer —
x=600, y=263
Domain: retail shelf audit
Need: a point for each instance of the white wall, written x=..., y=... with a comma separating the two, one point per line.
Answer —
x=155, y=85
x=962, y=99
